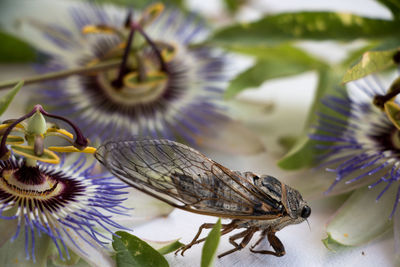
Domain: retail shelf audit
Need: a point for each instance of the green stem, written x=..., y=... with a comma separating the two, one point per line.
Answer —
x=28, y=161
x=394, y=90
x=112, y=64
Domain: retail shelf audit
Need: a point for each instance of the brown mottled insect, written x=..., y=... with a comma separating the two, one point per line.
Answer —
x=186, y=179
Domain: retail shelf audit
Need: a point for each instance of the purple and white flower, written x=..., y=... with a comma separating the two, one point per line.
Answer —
x=182, y=103
x=360, y=144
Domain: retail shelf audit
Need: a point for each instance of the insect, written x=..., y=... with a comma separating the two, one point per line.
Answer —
x=188, y=180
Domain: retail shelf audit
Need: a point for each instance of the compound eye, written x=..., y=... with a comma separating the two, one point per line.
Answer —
x=305, y=212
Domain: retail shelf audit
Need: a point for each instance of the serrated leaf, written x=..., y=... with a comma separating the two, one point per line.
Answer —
x=371, y=61
x=304, y=152
x=13, y=50
x=273, y=62
x=8, y=98
x=210, y=245
x=132, y=251
x=285, y=27
x=354, y=224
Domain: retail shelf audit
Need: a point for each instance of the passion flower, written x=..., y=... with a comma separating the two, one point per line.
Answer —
x=163, y=87
x=43, y=199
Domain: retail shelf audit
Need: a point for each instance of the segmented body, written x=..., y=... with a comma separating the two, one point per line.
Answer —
x=186, y=179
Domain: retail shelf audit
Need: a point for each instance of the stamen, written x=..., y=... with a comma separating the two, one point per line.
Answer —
x=81, y=141
x=3, y=148
x=118, y=82
x=128, y=19
x=155, y=48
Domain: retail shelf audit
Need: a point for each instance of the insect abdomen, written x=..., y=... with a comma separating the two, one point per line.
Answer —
x=217, y=197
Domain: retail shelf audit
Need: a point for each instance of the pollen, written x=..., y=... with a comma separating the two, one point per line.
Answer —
x=346, y=235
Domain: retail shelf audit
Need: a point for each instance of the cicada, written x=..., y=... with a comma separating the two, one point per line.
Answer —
x=186, y=179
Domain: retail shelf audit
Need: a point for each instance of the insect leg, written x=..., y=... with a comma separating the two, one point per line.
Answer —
x=262, y=236
x=275, y=243
x=226, y=229
x=246, y=234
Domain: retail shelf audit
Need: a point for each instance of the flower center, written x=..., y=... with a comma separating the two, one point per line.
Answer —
x=134, y=90
x=37, y=187
x=29, y=182
x=143, y=74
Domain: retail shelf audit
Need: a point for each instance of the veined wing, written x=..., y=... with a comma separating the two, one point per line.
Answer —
x=186, y=179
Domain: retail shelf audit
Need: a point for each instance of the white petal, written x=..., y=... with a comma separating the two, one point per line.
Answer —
x=143, y=208
x=93, y=254
x=7, y=230
x=13, y=253
x=396, y=229
x=233, y=138
x=353, y=226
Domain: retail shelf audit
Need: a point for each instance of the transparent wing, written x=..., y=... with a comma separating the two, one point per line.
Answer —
x=184, y=178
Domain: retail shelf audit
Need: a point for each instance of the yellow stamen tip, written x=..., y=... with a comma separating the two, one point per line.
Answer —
x=69, y=149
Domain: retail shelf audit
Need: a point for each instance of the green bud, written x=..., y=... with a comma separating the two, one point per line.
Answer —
x=37, y=124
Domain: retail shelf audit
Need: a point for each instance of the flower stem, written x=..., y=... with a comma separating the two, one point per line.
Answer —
x=112, y=64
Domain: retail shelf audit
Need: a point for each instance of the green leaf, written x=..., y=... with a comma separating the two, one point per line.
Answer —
x=371, y=61
x=286, y=27
x=287, y=51
x=170, y=247
x=355, y=56
x=211, y=245
x=393, y=6
x=260, y=72
x=132, y=251
x=273, y=62
x=362, y=218
x=304, y=151
x=13, y=50
x=287, y=142
x=6, y=100
x=233, y=5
